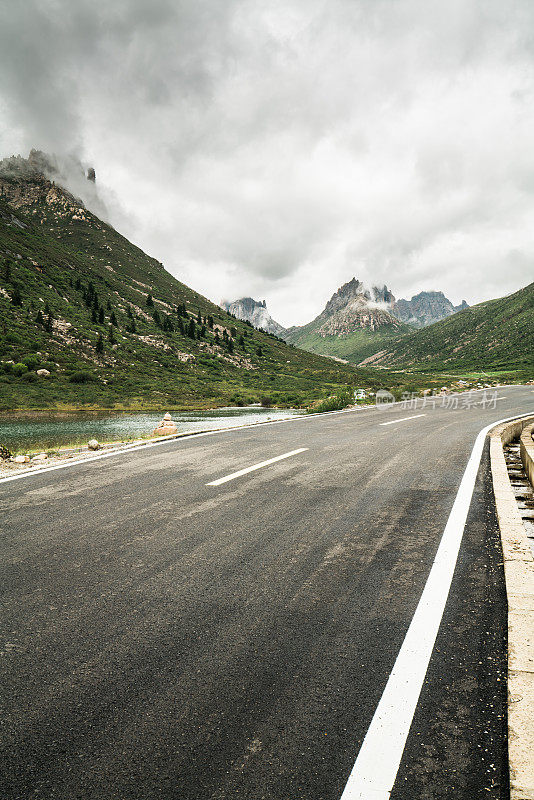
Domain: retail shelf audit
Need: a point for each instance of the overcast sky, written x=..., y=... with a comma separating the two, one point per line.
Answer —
x=276, y=149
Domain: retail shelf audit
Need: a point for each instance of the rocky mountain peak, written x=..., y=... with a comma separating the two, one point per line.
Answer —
x=354, y=307
x=253, y=311
x=426, y=308
x=44, y=178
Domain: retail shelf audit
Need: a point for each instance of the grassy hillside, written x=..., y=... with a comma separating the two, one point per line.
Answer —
x=493, y=336
x=353, y=347
x=115, y=329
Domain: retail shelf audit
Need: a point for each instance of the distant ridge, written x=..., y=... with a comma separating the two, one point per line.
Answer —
x=495, y=335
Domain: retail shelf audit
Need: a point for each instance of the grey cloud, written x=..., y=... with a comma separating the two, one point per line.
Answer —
x=278, y=149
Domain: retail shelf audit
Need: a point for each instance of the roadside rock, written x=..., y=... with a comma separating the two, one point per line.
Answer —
x=92, y=444
x=166, y=426
x=20, y=459
x=40, y=457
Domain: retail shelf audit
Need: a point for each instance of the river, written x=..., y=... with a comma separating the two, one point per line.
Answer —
x=47, y=431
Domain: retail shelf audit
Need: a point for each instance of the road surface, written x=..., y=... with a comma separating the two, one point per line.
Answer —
x=169, y=634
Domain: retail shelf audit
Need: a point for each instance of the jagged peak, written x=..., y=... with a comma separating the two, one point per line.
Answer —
x=253, y=311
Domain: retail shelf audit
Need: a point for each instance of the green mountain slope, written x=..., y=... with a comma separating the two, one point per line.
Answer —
x=495, y=335
x=352, y=347
x=74, y=300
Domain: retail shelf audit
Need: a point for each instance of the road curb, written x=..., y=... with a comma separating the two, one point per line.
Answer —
x=526, y=449
x=519, y=577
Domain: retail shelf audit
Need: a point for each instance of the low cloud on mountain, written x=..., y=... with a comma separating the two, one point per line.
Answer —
x=275, y=150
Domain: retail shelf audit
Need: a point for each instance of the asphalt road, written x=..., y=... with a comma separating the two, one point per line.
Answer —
x=165, y=638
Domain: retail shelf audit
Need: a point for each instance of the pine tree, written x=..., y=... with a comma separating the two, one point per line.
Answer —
x=111, y=336
x=150, y=301
x=233, y=333
x=131, y=327
x=7, y=270
x=191, y=331
x=109, y=305
x=241, y=342
x=199, y=317
x=203, y=332
x=181, y=326
x=168, y=324
x=230, y=345
x=129, y=311
x=50, y=323
x=216, y=337
x=156, y=317
x=113, y=319
x=101, y=315
x=259, y=352
x=94, y=316
x=39, y=318
x=16, y=297
x=100, y=344
x=210, y=322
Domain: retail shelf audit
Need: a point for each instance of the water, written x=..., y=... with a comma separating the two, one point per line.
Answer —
x=47, y=431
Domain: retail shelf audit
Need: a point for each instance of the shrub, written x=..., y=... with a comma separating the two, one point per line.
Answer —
x=31, y=361
x=13, y=338
x=30, y=377
x=19, y=369
x=334, y=403
x=82, y=376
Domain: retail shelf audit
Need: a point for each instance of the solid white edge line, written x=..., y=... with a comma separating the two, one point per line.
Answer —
x=403, y=419
x=254, y=467
x=378, y=760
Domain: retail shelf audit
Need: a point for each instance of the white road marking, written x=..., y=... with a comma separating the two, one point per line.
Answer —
x=377, y=764
x=30, y=473
x=255, y=467
x=403, y=419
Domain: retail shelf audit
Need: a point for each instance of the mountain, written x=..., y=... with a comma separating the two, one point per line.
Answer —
x=89, y=320
x=495, y=335
x=425, y=308
x=255, y=312
x=354, y=323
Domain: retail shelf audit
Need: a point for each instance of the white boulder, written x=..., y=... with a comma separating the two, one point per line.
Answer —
x=92, y=444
